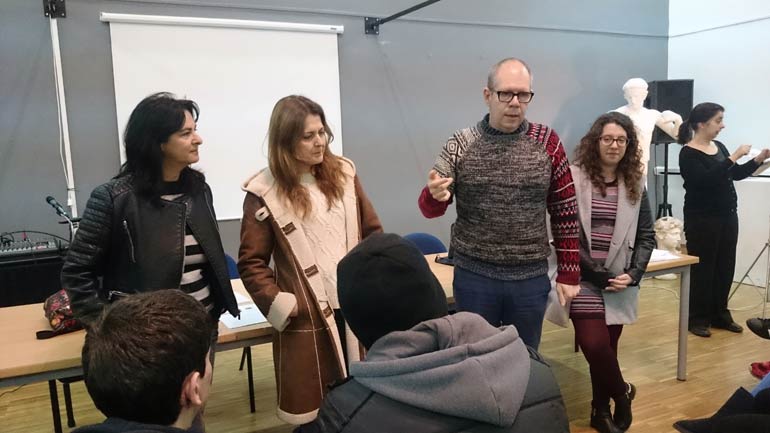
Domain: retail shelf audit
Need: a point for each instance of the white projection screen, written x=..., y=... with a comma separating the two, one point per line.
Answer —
x=235, y=70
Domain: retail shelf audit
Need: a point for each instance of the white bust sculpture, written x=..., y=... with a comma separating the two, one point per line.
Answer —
x=668, y=234
x=645, y=119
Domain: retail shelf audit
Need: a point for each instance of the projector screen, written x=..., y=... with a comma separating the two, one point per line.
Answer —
x=236, y=71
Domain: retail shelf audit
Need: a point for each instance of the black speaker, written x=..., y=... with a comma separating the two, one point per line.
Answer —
x=30, y=280
x=674, y=95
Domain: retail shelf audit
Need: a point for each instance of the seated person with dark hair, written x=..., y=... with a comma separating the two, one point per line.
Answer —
x=426, y=370
x=147, y=363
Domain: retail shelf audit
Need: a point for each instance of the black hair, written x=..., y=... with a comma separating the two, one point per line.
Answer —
x=701, y=113
x=151, y=124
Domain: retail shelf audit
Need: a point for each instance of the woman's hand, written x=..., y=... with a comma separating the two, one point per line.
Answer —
x=762, y=156
x=619, y=283
x=742, y=150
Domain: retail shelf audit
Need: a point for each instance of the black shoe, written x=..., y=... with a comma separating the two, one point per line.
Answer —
x=700, y=331
x=761, y=327
x=601, y=420
x=740, y=402
x=622, y=415
x=702, y=425
x=732, y=327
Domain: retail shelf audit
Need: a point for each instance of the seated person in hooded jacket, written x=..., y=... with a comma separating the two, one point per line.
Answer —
x=426, y=370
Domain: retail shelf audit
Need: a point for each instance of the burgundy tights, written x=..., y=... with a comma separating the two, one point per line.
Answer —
x=599, y=343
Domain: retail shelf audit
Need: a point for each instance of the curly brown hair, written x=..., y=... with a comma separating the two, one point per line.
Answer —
x=629, y=168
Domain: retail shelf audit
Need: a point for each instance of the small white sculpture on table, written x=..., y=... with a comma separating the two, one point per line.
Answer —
x=645, y=119
x=669, y=235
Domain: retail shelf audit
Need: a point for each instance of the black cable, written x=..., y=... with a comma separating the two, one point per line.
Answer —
x=13, y=390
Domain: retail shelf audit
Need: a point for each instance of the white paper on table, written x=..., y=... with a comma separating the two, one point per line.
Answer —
x=662, y=255
x=249, y=316
x=242, y=299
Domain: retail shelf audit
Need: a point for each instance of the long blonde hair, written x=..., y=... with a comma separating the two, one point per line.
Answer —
x=287, y=125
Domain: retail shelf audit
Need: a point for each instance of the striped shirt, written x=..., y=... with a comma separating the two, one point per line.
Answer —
x=589, y=304
x=194, y=281
x=603, y=212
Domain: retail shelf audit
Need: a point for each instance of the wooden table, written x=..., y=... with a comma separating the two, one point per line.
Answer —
x=28, y=360
x=445, y=275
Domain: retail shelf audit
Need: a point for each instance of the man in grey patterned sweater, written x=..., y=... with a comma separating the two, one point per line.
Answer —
x=504, y=174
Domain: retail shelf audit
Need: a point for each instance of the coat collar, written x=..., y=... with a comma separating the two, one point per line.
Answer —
x=262, y=183
x=625, y=217
x=289, y=224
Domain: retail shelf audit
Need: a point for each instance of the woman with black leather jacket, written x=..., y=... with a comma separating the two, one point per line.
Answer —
x=153, y=226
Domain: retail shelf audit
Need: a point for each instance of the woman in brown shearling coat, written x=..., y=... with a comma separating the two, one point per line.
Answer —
x=305, y=211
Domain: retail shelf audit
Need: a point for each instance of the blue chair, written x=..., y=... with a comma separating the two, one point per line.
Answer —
x=427, y=243
x=232, y=268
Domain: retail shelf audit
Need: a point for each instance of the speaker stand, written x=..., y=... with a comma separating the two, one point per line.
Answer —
x=664, y=208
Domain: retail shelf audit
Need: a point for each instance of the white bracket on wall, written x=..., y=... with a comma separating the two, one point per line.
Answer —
x=55, y=9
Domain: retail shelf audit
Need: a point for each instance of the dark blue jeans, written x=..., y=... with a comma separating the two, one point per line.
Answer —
x=500, y=302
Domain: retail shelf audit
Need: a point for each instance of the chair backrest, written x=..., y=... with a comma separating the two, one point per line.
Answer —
x=232, y=268
x=427, y=243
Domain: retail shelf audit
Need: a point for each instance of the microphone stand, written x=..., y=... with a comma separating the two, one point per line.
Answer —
x=73, y=224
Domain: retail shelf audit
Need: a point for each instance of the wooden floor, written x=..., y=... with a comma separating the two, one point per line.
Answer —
x=716, y=367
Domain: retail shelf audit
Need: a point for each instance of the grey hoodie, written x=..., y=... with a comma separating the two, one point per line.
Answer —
x=457, y=365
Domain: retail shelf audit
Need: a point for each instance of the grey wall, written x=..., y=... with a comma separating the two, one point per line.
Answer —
x=403, y=92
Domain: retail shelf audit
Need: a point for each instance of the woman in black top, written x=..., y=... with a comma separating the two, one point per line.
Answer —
x=710, y=214
x=153, y=226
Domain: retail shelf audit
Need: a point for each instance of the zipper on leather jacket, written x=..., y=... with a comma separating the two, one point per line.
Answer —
x=184, y=234
x=211, y=211
x=130, y=242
